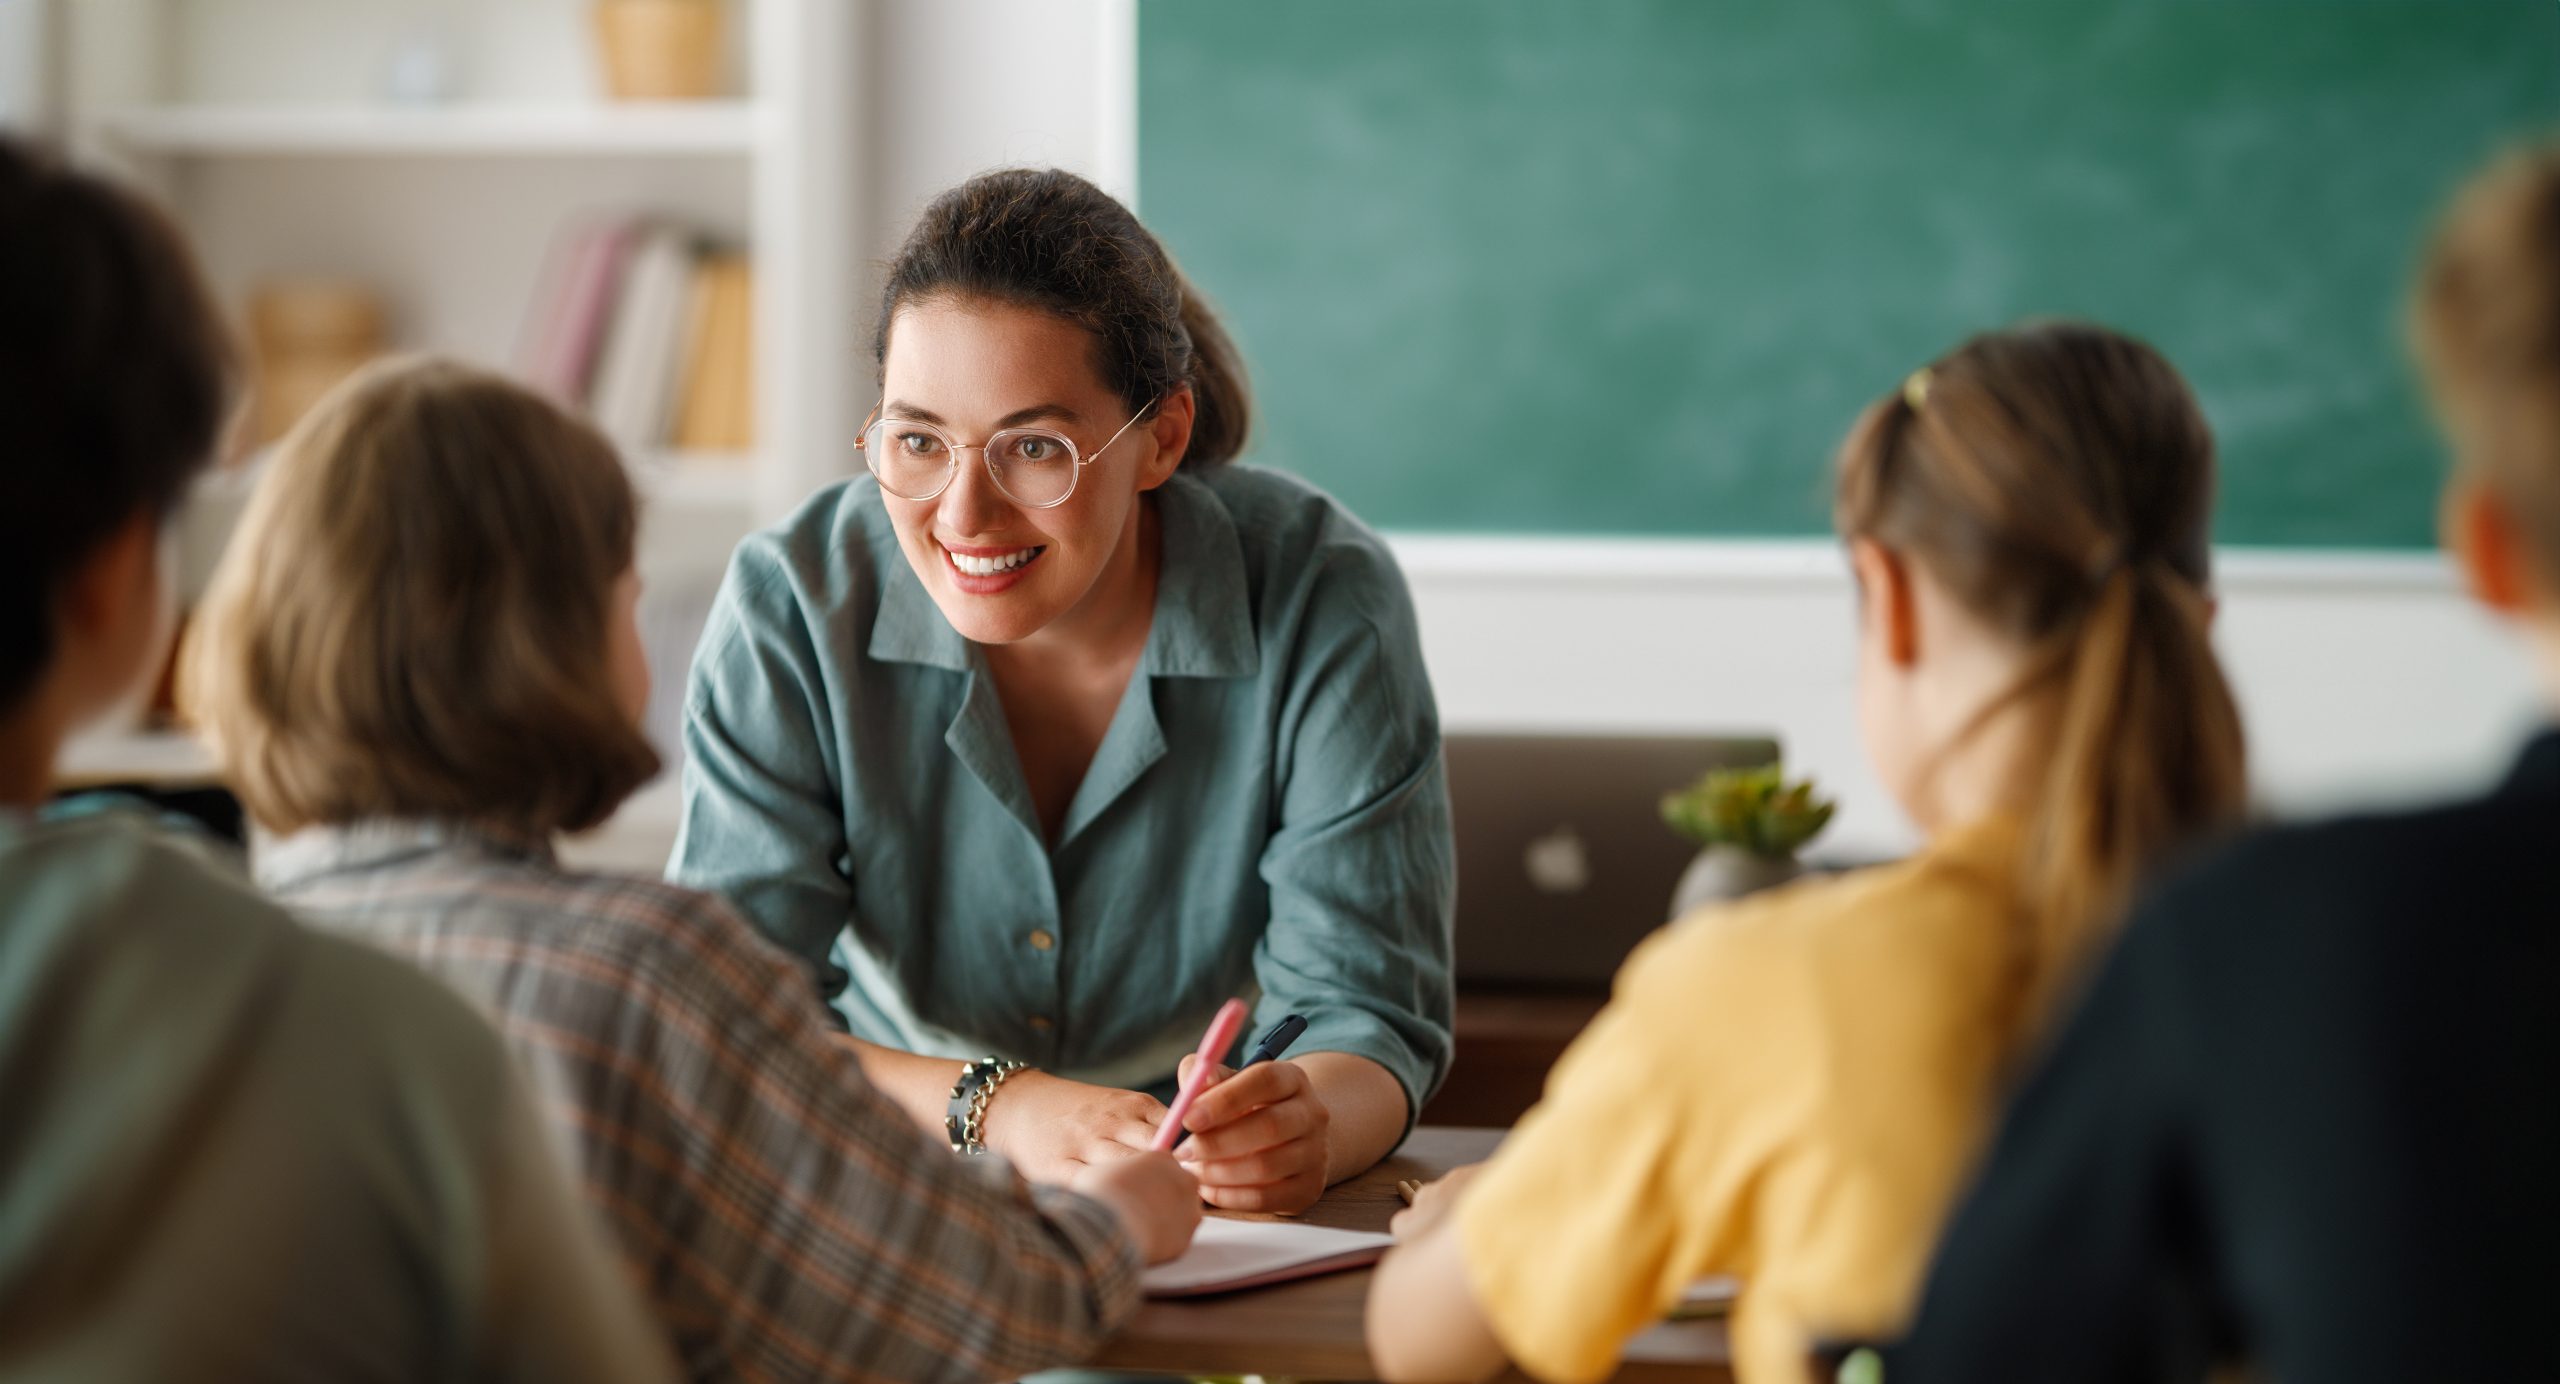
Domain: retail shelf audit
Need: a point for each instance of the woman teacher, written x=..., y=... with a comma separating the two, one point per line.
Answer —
x=1057, y=729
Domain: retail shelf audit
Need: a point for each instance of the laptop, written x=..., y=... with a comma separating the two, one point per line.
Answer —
x=1564, y=862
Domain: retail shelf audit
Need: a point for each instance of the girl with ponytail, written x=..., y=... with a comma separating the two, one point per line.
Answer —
x=1059, y=728
x=1790, y=1089
x=2039, y=501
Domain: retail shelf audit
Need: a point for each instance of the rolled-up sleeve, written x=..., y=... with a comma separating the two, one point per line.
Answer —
x=1360, y=867
x=763, y=824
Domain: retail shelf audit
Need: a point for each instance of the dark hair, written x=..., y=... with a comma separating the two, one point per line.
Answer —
x=115, y=381
x=413, y=619
x=2058, y=479
x=1045, y=239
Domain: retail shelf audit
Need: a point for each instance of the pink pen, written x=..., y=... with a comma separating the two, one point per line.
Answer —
x=1213, y=1048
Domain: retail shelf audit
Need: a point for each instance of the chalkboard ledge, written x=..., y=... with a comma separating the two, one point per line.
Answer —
x=1819, y=563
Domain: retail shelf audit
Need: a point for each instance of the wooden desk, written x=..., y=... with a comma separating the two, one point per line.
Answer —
x=1311, y=1329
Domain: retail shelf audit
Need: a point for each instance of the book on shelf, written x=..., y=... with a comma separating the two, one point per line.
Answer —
x=556, y=352
x=648, y=332
x=635, y=381
x=718, y=411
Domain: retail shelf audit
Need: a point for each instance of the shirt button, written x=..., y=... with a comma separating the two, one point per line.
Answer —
x=1041, y=940
x=1040, y=1023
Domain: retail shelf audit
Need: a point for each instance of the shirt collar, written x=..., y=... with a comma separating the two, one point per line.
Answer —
x=284, y=862
x=1203, y=625
x=2537, y=770
x=1204, y=616
x=910, y=627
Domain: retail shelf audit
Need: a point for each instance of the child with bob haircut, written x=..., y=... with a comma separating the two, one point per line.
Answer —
x=1789, y=1089
x=420, y=664
x=230, y=1148
x=2305, y=1119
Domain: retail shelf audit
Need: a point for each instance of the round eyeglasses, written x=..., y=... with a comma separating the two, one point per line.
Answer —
x=1034, y=467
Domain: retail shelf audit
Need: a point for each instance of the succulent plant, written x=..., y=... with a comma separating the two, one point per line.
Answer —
x=1755, y=809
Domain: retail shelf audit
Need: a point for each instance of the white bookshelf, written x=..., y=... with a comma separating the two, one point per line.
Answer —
x=668, y=129
x=696, y=480
x=262, y=125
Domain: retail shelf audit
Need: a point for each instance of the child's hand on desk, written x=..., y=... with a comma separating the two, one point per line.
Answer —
x=1051, y=1128
x=1258, y=1138
x=1154, y=1196
x=1432, y=1201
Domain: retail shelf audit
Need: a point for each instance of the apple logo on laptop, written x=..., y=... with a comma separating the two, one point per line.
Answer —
x=1557, y=862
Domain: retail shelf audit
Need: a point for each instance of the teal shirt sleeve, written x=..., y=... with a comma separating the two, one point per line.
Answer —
x=1360, y=867
x=762, y=823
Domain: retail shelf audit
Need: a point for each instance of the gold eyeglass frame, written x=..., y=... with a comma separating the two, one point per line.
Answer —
x=1075, y=455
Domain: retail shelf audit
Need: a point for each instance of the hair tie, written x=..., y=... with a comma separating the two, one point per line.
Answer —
x=1915, y=388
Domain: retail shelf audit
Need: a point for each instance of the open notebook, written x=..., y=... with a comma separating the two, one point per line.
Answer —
x=1227, y=1255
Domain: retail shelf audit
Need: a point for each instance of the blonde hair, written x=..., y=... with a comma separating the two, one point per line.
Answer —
x=412, y=620
x=2058, y=479
x=2487, y=326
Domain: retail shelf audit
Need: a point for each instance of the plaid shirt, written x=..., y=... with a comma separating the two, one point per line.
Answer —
x=787, y=1219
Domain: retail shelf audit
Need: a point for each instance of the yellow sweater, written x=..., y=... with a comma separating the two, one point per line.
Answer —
x=1790, y=1090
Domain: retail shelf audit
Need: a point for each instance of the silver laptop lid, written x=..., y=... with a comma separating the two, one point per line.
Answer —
x=1564, y=862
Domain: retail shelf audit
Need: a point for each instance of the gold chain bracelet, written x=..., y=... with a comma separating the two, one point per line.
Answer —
x=966, y=1123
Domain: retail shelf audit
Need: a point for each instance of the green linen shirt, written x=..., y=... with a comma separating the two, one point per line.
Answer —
x=1267, y=815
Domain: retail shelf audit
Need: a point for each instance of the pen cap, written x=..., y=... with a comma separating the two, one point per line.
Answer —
x=1221, y=1037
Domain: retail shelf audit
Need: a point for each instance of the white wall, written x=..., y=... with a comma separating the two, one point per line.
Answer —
x=24, y=43
x=959, y=89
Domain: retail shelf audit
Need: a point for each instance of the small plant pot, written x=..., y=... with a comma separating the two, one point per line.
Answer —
x=1723, y=873
x=662, y=50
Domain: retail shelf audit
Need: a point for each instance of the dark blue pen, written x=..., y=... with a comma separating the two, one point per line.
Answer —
x=1273, y=1044
x=1277, y=1041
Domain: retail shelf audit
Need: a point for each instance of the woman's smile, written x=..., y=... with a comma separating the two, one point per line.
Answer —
x=984, y=571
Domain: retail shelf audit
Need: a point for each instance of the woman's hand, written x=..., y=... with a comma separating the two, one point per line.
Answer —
x=1432, y=1204
x=1154, y=1196
x=1052, y=1128
x=1260, y=1138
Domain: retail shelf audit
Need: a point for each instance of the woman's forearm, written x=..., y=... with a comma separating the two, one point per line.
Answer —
x=920, y=1085
x=1366, y=1103
x=1048, y=1127
x=1368, y=1109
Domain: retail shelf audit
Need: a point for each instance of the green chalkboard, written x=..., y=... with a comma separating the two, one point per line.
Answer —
x=1631, y=266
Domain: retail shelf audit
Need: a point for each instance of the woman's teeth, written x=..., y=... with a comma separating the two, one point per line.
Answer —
x=990, y=566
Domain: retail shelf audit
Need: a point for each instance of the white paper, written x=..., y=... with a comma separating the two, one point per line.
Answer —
x=1225, y=1252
